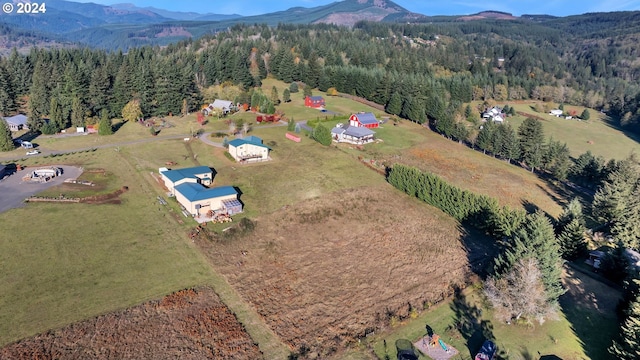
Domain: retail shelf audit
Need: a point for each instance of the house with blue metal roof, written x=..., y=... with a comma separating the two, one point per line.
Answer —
x=190, y=186
x=363, y=119
x=249, y=149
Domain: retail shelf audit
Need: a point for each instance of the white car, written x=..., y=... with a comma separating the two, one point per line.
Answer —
x=33, y=152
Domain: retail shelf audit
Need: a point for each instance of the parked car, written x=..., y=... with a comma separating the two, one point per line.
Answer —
x=487, y=351
x=33, y=152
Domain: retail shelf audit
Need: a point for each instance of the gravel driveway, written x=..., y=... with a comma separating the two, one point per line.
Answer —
x=13, y=190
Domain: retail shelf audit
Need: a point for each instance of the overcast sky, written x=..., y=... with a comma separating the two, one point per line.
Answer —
x=426, y=7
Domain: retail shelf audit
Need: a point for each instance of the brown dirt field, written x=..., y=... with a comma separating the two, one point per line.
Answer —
x=188, y=324
x=329, y=270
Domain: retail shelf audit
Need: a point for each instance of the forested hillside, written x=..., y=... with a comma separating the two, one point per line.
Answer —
x=418, y=72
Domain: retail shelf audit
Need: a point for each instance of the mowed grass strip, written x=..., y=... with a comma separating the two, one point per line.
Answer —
x=62, y=263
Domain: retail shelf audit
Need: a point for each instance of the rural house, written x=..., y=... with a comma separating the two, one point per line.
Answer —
x=314, y=101
x=352, y=134
x=249, y=149
x=362, y=119
x=190, y=188
x=17, y=122
x=494, y=114
x=218, y=106
x=556, y=112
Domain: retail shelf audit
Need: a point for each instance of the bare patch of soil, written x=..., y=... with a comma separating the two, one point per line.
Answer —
x=188, y=324
x=330, y=270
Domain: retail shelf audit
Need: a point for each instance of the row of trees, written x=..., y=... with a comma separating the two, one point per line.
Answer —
x=525, y=281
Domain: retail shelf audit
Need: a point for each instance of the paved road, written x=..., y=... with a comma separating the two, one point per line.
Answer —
x=13, y=190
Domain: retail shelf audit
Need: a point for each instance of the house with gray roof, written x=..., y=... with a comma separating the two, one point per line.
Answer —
x=218, y=106
x=352, y=134
x=17, y=122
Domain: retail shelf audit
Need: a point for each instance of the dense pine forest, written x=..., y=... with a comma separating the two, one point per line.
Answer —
x=419, y=72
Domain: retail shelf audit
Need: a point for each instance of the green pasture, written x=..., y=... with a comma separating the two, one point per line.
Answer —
x=464, y=322
x=63, y=263
x=596, y=134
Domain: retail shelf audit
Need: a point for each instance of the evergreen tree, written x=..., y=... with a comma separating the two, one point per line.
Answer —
x=38, y=96
x=55, y=116
x=531, y=142
x=536, y=239
x=617, y=203
x=105, y=127
x=572, y=240
x=571, y=212
x=77, y=113
x=322, y=135
x=6, y=140
x=484, y=140
x=286, y=95
x=307, y=91
x=585, y=115
x=394, y=106
x=510, y=143
x=293, y=87
x=275, y=99
x=291, y=125
x=468, y=112
x=7, y=93
x=629, y=346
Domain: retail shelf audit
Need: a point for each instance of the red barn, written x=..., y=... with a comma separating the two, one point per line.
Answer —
x=363, y=119
x=314, y=101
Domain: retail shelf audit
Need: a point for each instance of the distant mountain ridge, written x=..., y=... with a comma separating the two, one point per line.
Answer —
x=123, y=25
x=177, y=15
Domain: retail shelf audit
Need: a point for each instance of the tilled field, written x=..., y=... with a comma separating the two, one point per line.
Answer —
x=188, y=324
x=329, y=270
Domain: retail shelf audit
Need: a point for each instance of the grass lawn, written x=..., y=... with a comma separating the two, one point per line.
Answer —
x=464, y=323
x=62, y=263
x=596, y=134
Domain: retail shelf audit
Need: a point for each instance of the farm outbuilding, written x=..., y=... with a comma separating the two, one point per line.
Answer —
x=367, y=120
x=249, y=149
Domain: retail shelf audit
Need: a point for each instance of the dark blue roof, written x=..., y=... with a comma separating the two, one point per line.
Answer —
x=197, y=192
x=316, y=98
x=179, y=174
x=367, y=118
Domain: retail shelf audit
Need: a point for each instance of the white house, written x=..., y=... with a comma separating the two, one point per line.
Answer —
x=556, y=112
x=494, y=114
x=352, y=134
x=249, y=149
x=190, y=188
x=223, y=106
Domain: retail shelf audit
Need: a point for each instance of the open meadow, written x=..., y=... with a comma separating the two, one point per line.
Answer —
x=597, y=134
